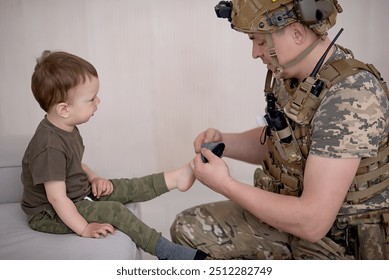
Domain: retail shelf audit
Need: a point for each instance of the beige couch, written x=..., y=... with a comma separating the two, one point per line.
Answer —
x=18, y=241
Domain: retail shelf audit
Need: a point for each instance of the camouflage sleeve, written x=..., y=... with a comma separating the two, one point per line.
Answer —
x=351, y=120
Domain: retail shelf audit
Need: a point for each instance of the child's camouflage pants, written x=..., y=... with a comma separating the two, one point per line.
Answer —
x=111, y=209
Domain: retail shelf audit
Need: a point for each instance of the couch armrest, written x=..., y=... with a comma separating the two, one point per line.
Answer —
x=12, y=148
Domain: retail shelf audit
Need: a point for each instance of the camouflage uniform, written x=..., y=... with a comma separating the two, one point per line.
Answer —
x=349, y=123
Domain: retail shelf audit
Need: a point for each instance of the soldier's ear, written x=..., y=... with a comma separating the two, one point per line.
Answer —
x=298, y=32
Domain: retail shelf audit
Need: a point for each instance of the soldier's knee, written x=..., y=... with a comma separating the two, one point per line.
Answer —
x=180, y=230
x=174, y=229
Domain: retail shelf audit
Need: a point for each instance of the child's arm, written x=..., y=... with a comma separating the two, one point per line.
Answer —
x=89, y=172
x=67, y=212
x=100, y=186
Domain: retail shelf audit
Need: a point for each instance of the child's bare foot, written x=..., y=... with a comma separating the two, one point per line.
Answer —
x=182, y=178
x=186, y=178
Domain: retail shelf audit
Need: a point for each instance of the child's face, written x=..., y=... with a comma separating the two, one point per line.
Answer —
x=83, y=101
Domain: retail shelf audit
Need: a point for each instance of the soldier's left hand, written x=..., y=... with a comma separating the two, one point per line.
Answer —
x=214, y=174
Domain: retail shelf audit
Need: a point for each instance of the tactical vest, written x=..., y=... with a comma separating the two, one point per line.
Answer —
x=283, y=169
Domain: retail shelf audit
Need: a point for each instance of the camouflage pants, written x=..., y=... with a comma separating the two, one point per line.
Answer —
x=224, y=230
x=111, y=209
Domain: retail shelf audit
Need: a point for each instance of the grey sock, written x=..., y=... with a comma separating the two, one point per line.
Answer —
x=167, y=250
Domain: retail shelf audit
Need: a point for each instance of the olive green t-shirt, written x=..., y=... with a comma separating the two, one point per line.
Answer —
x=52, y=155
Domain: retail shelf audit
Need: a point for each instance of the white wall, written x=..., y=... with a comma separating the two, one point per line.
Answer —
x=168, y=70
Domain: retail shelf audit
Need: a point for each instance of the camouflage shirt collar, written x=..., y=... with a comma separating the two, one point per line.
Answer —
x=339, y=53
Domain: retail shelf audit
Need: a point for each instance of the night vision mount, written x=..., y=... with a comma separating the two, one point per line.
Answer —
x=224, y=9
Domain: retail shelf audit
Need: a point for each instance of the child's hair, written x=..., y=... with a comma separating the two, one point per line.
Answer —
x=55, y=74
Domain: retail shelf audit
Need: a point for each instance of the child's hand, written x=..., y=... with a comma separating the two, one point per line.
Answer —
x=94, y=230
x=101, y=187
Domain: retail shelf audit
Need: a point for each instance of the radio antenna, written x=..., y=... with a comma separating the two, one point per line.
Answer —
x=320, y=62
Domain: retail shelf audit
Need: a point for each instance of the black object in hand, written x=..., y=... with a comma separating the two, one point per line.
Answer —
x=216, y=147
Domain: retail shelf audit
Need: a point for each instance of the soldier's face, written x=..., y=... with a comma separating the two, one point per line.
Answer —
x=260, y=49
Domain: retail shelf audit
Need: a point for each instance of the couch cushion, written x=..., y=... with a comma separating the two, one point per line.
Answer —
x=19, y=241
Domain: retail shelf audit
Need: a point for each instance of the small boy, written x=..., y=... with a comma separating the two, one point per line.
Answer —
x=62, y=194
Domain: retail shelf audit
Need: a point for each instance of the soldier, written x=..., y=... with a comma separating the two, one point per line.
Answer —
x=322, y=188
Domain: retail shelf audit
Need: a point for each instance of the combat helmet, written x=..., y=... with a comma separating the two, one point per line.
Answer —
x=268, y=16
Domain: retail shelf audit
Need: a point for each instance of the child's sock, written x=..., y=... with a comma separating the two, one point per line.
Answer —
x=167, y=250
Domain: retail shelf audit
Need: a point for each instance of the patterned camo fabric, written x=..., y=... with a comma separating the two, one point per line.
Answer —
x=350, y=123
x=226, y=231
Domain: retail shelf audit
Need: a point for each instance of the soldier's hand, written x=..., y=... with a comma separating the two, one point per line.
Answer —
x=209, y=135
x=214, y=174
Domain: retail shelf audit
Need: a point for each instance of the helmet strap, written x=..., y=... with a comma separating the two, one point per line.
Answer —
x=273, y=55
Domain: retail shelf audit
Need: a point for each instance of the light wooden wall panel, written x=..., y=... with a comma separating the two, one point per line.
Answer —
x=168, y=70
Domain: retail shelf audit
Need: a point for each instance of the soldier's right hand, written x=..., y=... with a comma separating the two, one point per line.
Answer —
x=209, y=135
